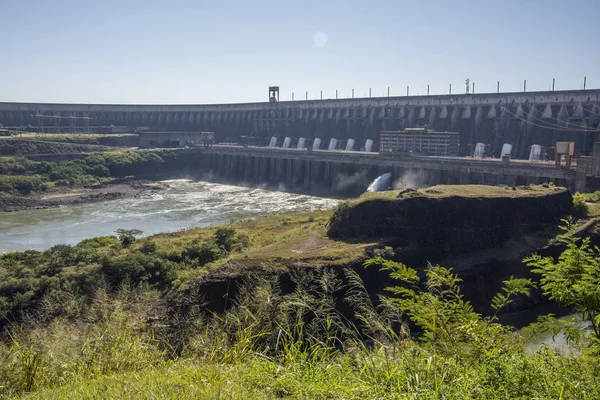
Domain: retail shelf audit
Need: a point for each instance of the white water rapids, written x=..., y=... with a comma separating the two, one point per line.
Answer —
x=185, y=204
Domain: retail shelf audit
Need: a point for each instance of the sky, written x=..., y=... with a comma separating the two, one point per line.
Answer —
x=195, y=51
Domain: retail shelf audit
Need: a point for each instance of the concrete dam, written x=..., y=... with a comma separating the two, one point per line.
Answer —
x=521, y=119
x=348, y=173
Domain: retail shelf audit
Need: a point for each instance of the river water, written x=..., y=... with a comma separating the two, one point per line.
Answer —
x=185, y=204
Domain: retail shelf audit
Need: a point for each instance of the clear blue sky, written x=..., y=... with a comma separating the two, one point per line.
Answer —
x=149, y=51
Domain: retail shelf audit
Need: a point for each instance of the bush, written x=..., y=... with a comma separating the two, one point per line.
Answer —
x=580, y=207
x=135, y=268
x=205, y=252
x=328, y=337
x=147, y=246
x=229, y=240
x=97, y=242
x=65, y=173
x=127, y=236
x=573, y=280
x=20, y=184
x=592, y=197
x=84, y=171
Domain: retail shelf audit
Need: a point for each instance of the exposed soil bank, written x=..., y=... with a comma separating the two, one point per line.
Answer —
x=74, y=196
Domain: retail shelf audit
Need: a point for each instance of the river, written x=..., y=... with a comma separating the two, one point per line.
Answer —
x=186, y=204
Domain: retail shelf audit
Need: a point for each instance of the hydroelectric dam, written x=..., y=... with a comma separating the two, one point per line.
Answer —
x=348, y=173
x=280, y=153
x=519, y=118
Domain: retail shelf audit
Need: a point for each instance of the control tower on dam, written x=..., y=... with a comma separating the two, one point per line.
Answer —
x=521, y=119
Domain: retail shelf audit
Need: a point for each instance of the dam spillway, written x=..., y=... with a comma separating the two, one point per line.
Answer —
x=347, y=173
x=521, y=119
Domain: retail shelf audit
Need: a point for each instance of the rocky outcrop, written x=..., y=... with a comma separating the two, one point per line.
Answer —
x=445, y=220
x=482, y=233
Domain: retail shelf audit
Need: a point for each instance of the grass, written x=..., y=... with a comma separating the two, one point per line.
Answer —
x=367, y=375
x=299, y=237
x=272, y=346
x=469, y=191
x=592, y=197
x=276, y=242
x=589, y=203
x=594, y=210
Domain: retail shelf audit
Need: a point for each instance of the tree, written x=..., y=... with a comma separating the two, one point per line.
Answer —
x=573, y=280
x=127, y=236
x=229, y=240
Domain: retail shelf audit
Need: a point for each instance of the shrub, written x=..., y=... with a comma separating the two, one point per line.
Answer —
x=20, y=184
x=148, y=246
x=97, y=242
x=230, y=241
x=64, y=172
x=84, y=171
x=573, y=280
x=580, y=207
x=205, y=252
x=127, y=236
x=133, y=267
x=224, y=238
x=592, y=197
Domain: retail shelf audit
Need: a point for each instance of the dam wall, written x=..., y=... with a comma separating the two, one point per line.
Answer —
x=521, y=119
x=349, y=173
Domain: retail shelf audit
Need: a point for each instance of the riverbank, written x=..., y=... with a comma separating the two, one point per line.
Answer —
x=27, y=184
x=80, y=195
x=184, y=205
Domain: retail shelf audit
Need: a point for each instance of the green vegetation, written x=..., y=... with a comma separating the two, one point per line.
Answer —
x=574, y=280
x=31, y=147
x=580, y=207
x=130, y=317
x=104, y=319
x=592, y=197
x=114, y=337
x=22, y=184
x=20, y=176
x=79, y=138
x=27, y=278
x=587, y=204
x=166, y=262
x=467, y=191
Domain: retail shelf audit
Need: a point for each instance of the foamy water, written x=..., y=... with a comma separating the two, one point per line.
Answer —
x=184, y=205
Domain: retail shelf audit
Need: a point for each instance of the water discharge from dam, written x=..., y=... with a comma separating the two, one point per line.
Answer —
x=184, y=205
x=381, y=183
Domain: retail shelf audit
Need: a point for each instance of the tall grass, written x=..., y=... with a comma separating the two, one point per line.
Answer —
x=311, y=343
x=111, y=336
